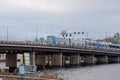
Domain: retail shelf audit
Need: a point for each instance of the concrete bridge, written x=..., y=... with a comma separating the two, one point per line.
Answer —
x=56, y=56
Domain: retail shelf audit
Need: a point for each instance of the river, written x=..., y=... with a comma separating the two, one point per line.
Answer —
x=98, y=72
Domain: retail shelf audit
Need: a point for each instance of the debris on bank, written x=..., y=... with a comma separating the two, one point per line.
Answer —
x=45, y=75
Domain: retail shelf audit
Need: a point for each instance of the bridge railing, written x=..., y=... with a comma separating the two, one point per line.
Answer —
x=49, y=45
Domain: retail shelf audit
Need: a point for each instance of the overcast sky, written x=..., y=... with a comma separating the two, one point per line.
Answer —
x=25, y=17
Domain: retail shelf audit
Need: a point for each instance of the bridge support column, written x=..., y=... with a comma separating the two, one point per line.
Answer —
x=63, y=60
x=32, y=58
x=22, y=59
x=11, y=61
x=102, y=59
x=74, y=59
x=114, y=59
x=89, y=59
x=40, y=59
x=57, y=60
x=118, y=59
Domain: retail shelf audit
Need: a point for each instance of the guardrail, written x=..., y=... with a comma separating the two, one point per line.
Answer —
x=38, y=43
x=13, y=77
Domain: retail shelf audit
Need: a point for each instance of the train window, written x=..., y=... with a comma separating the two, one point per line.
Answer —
x=64, y=43
x=89, y=43
x=59, y=42
x=72, y=44
x=78, y=45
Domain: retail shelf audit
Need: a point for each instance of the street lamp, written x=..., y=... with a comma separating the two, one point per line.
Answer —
x=37, y=35
x=7, y=31
x=37, y=32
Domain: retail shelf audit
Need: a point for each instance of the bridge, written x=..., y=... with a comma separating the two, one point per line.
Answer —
x=55, y=56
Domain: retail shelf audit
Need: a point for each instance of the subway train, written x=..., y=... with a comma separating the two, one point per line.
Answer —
x=82, y=43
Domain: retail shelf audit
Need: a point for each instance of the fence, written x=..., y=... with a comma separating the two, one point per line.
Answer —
x=12, y=77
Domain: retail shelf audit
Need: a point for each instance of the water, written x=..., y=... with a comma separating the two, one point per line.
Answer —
x=96, y=72
x=99, y=72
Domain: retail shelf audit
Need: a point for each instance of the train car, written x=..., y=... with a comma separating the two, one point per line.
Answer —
x=114, y=47
x=91, y=44
x=103, y=45
x=83, y=43
x=52, y=40
x=76, y=43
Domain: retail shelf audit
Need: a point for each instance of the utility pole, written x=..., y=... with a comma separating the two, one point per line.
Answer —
x=36, y=31
x=7, y=33
x=87, y=35
x=37, y=35
x=106, y=36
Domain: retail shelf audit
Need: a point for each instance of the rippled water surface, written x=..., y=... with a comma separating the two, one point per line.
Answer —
x=99, y=72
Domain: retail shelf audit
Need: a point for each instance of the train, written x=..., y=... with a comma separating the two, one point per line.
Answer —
x=82, y=43
x=68, y=42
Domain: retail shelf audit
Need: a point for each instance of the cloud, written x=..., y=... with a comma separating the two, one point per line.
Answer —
x=72, y=15
x=50, y=6
x=30, y=5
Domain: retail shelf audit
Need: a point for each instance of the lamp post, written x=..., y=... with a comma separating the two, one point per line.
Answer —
x=106, y=36
x=37, y=29
x=7, y=31
x=37, y=35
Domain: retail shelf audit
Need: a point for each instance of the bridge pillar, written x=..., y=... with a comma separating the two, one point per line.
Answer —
x=102, y=59
x=11, y=61
x=32, y=58
x=113, y=59
x=118, y=59
x=40, y=59
x=63, y=60
x=89, y=59
x=21, y=59
x=57, y=60
x=66, y=60
x=74, y=59
x=81, y=60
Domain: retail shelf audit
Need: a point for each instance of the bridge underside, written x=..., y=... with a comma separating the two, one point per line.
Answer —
x=56, y=57
x=60, y=59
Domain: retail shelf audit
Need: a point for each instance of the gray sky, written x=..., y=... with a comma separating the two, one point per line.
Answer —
x=51, y=16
